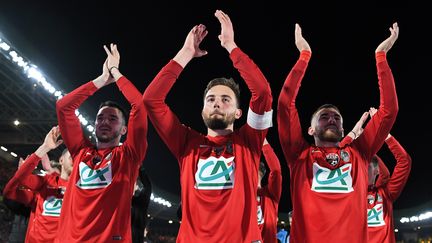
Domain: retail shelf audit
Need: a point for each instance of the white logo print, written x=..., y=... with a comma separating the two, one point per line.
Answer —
x=52, y=206
x=326, y=180
x=215, y=173
x=376, y=216
x=93, y=179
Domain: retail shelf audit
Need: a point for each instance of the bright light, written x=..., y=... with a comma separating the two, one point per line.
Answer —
x=83, y=120
x=3, y=148
x=160, y=200
x=404, y=220
x=170, y=221
x=396, y=230
x=16, y=122
x=14, y=154
x=90, y=128
x=415, y=218
x=4, y=46
x=36, y=75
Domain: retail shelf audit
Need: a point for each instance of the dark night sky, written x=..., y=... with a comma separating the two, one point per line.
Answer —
x=65, y=40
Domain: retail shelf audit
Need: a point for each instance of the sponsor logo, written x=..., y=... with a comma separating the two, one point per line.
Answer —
x=375, y=216
x=52, y=206
x=94, y=178
x=215, y=173
x=326, y=180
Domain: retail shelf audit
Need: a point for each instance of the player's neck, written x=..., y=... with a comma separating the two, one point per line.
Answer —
x=64, y=174
x=325, y=144
x=221, y=132
x=111, y=144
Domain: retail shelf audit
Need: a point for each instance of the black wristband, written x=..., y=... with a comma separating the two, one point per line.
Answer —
x=355, y=135
x=111, y=69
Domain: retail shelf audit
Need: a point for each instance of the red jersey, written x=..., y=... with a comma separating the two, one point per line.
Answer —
x=218, y=175
x=48, y=191
x=329, y=184
x=387, y=189
x=269, y=196
x=97, y=203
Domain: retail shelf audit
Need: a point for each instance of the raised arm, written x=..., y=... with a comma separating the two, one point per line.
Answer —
x=259, y=115
x=163, y=119
x=261, y=100
x=136, y=139
x=402, y=169
x=381, y=123
x=69, y=123
x=290, y=131
x=24, y=173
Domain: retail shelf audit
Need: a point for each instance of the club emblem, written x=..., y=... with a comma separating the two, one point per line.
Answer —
x=332, y=159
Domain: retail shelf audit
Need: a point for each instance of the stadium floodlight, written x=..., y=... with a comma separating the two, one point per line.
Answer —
x=34, y=74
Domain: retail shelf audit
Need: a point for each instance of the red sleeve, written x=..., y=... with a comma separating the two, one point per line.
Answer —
x=163, y=119
x=261, y=97
x=136, y=140
x=345, y=141
x=381, y=123
x=401, y=171
x=70, y=127
x=274, y=185
x=290, y=131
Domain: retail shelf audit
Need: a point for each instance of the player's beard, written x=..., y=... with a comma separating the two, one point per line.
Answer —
x=219, y=123
x=330, y=135
x=107, y=138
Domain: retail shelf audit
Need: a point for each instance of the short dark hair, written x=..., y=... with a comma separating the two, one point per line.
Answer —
x=325, y=106
x=113, y=104
x=64, y=151
x=229, y=82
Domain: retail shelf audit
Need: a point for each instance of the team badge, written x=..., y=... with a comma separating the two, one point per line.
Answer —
x=332, y=159
x=379, y=198
x=371, y=199
x=345, y=155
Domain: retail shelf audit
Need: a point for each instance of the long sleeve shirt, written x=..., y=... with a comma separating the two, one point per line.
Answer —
x=218, y=175
x=97, y=203
x=328, y=197
x=387, y=189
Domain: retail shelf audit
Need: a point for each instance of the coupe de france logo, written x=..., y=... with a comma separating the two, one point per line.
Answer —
x=215, y=173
